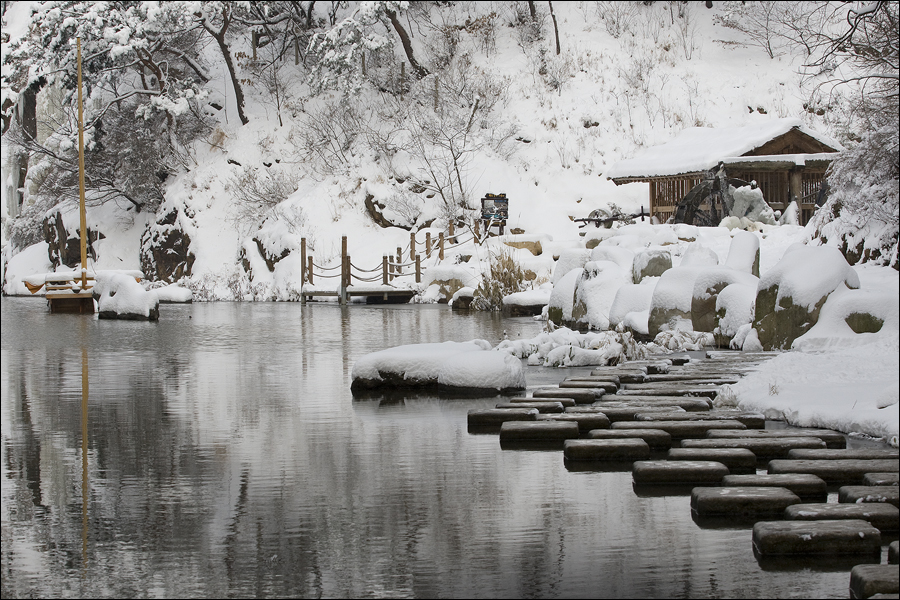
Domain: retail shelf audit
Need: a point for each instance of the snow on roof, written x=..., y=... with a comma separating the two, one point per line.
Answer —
x=701, y=148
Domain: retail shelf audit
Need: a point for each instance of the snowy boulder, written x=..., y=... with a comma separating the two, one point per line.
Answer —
x=594, y=294
x=734, y=309
x=651, y=263
x=790, y=296
x=531, y=243
x=529, y=302
x=120, y=296
x=698, y=255
x=743, y=254
x=470, y=367
x=707, y=286
x=569, y=260
x=621, y=256
x=562, y=298
x=462, y=299
x=443, y=280
x=853, y=318
x=749, y=203
x=631, y=306
x=670, y=307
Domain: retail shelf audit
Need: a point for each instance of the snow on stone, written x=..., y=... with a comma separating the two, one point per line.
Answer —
x=530, y=297
x=569, y=261
x=806, y=274
x=735, y=303
x=564, y=347
x=631, y=306
x=121, y=294
x=453, y=364
x=743, y=252
x=749, y=203
x=672, y=298
x=562, y=298
x=698, y=255
x=621, y=256
x=595, y=291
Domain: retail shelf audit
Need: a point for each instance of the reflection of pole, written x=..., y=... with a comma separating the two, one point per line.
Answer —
x=84, y=460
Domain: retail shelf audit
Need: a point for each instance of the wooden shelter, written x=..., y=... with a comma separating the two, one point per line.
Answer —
x=786, y=159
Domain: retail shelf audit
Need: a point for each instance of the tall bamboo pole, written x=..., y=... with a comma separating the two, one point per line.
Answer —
x=81, y=210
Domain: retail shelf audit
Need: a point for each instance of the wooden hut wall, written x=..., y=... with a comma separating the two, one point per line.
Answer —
x=667, y=192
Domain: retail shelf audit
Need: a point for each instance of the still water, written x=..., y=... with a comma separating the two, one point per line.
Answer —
x=221, y=454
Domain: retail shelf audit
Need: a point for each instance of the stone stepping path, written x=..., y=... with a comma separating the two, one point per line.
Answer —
x=627, y=414
x=867, y=581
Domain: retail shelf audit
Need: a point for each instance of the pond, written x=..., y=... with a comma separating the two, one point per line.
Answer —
x=223, y=455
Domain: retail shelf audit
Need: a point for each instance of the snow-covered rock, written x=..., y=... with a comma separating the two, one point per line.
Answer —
x=651, y=263
x=698, y=255
x=743, y=254
x=670, y=307
x=707, y=286
x=734, y=309
x=621, y=256
x=568, y=261
x=631, y=306
x=120, y=296
x=451, y=366
x=749, y=203
x=791, y=294
x=594, y=293
x=562, y=298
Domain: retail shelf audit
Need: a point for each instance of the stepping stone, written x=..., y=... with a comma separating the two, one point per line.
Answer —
x=741, y=501
x=839, y=471
x=867, y=581
x=495, y=417
x=658, y=368
x=677, y=361
x=598, y=387
x=893, y=552
x=807, y=487
x=858, y=494
x=684, y=402
x=657, y=439
x=633, y=378
x=680, y=429
x=832, y=439
x=761, y=447
x=684, y=379
x=542, y=407
x=579, y=396
x=738, y=460
x=596, y=449
x=846, y=453
x=606, y=378
x=517, y=431
x=623, y=413
x=846, y=536
x=655, y=472
x=632, y=389
x=566, y=402
x=885, y=517
x=752, y=421
x=586, y=421
x=881, y=478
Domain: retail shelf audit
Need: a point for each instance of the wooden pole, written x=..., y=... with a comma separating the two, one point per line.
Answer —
x=344, y=269
x=254, y=43
x=309, y=270
x=412, y=246
x=427, y=244
x=477, y=235
x=441, y=245
x=384, y=269
x=418, y=269
x=302, y=261
x=399, y=260
x=81, y=210
x=452, y=233
x=296, y=51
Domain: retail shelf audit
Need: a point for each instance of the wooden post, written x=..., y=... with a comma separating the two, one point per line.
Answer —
x=384, y=270
x=427, y=244
x=477, y=235
x=345, y=263
x=309, y=270
x=302, y=261
x=418, y=269
x=254, y=42
x=399, y=260
x=81, y=210
x=296, y=51
x=441, y=245
x=452, y=234
x=412, y=246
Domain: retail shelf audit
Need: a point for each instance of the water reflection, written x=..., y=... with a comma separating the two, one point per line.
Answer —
x=221, y=454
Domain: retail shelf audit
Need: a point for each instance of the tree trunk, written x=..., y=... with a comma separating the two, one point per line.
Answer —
x=555, y=28
x=219, y=36
x=407, y=46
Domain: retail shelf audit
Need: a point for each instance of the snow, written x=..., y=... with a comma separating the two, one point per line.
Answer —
x=806, y=274
x=529, y=297
x=743, y=252
x=631, y=306
x=454, y=364
x=120, y=293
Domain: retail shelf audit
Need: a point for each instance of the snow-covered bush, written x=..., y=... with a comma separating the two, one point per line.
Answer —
x=504, y=277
